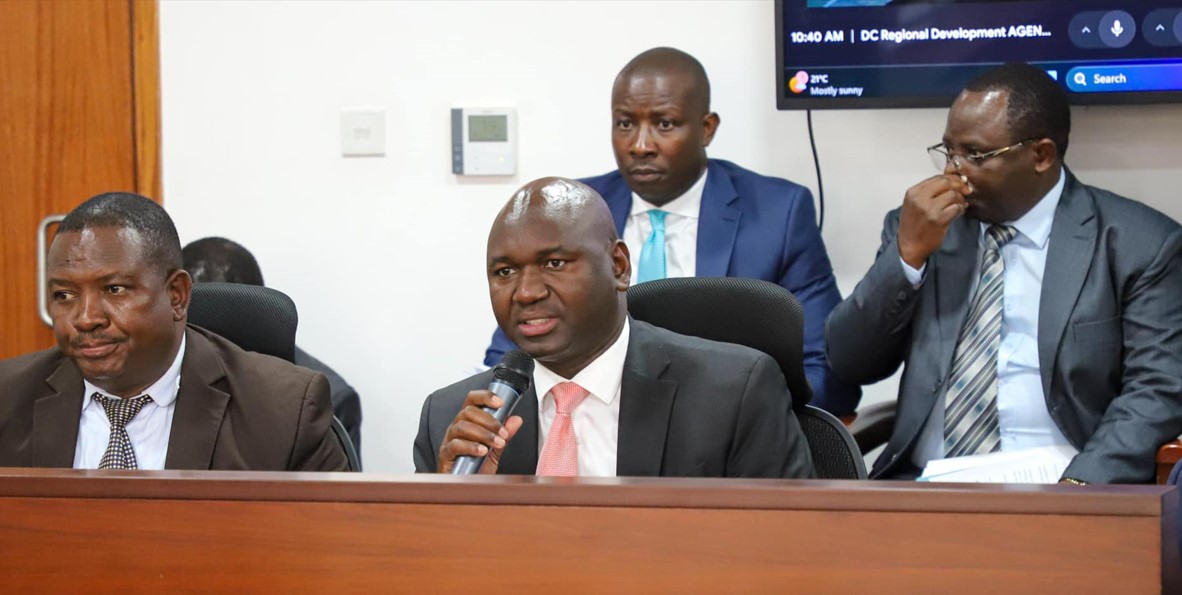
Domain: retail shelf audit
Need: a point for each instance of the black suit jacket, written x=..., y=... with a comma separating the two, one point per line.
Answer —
x=688, y=408
x=235, y=410
x=1109, y=331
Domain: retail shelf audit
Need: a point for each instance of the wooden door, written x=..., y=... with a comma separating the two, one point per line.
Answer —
x=79, y=115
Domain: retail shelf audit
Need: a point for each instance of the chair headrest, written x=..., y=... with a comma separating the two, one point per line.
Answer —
x=254, y=318
x=749, y=312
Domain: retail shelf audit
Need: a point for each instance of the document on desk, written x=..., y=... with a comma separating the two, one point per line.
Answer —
x=1034, y=465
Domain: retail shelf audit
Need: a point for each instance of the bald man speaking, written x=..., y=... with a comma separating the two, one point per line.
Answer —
x=610, y=396
x=684, y=215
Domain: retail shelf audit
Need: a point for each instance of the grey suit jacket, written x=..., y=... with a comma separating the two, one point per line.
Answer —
x=688, y=408
x=236, y=410
x=1109, y=331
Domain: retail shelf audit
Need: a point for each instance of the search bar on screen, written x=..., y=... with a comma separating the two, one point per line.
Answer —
x=1129, y=77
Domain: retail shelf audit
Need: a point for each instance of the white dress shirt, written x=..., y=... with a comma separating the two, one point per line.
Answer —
x=597, y=419
x=681, y=231
x=148, y=430
x=1021, y=404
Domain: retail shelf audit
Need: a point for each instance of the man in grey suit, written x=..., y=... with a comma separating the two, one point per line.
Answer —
x=610, y=396
x=130, y=386
x=1028, y=308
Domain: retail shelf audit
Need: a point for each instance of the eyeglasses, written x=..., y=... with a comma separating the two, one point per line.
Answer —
x=941, y=156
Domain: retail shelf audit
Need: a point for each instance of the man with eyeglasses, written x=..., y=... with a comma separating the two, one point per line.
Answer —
x=1028, y=309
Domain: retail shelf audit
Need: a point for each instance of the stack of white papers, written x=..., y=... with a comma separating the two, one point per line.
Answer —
x=1035, y=465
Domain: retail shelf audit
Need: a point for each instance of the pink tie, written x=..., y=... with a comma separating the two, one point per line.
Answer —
x=560, y=454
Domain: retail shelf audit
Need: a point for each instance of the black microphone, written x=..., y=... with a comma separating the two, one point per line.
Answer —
x=511, y=378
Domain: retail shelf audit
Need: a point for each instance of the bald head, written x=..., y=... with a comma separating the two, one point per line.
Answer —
x=568, y=202
x=558, y=273
x=669, y=62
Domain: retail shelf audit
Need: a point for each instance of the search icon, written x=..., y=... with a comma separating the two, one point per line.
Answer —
x=1080, y=79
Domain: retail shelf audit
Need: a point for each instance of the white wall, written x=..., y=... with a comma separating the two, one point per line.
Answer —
x=384, y=256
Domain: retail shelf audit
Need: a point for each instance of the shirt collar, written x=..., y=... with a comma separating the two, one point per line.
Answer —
x=601, y=378
x=163, y=391
x=1035, y=225
x=686, y=205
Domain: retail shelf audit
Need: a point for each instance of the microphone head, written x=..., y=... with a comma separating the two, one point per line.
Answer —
x=516, y=369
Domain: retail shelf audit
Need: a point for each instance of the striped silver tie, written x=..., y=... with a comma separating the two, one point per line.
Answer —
x=119, y=454
x=970, y=418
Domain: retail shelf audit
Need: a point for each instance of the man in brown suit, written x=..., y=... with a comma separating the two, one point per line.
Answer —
x=130, y=385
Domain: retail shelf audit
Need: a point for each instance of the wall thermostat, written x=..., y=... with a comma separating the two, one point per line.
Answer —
x=483, y=141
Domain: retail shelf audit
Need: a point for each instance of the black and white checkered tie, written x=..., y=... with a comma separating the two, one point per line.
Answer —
x=970, y=418
x=119, y=454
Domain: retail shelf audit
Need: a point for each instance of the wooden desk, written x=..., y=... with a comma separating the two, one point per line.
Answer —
x=166, y=532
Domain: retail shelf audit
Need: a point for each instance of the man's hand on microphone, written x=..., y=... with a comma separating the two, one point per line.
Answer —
x=475, y=433
x=928, y=209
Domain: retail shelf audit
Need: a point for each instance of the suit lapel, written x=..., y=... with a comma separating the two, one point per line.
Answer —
x=950, y=271
x=1069, y=257
x=200, y=407
x=646, y=402
x=521, y=455
x=619, y=201
x=718, y=223
x=956, y=261
x=56, y=418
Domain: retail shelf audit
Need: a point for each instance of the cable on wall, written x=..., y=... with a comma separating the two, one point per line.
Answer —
x=817, y=165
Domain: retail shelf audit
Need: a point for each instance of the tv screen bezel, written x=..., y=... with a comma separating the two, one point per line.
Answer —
x=783, y=101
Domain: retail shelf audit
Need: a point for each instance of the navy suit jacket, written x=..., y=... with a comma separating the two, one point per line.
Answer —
x=757, y=227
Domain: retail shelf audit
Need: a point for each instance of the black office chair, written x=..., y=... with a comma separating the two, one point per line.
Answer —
x=835, y=454
x=258, y=319
x=252, y=317
x=762, y=316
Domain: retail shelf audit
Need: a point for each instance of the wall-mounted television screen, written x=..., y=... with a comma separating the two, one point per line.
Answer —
x=920, y=53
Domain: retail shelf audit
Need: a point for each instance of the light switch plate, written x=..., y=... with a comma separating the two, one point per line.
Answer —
x=363, y=132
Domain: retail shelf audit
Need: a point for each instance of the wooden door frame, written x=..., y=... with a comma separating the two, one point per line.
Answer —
x=145, y=81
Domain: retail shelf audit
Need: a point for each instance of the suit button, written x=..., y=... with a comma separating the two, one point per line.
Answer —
x=902, y=296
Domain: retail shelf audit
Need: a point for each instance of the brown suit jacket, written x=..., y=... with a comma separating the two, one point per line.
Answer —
x=236, y=410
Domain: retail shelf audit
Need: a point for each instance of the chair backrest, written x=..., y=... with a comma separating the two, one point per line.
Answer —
x=338, y=430
x=835, y=454
x=258, y=319
x=749, y=312
x=762, y=316
x=252, y=317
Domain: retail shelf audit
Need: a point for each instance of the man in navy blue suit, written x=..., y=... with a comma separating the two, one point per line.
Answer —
x=684, y=215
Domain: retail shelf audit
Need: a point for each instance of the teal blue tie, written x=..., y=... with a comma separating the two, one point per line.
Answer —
x=652, y=255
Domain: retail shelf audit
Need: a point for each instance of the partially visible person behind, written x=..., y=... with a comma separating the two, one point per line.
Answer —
x=218, y=260
x=683, y=215
x=1028, y=308
x=130, y=385
x=611, y=396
